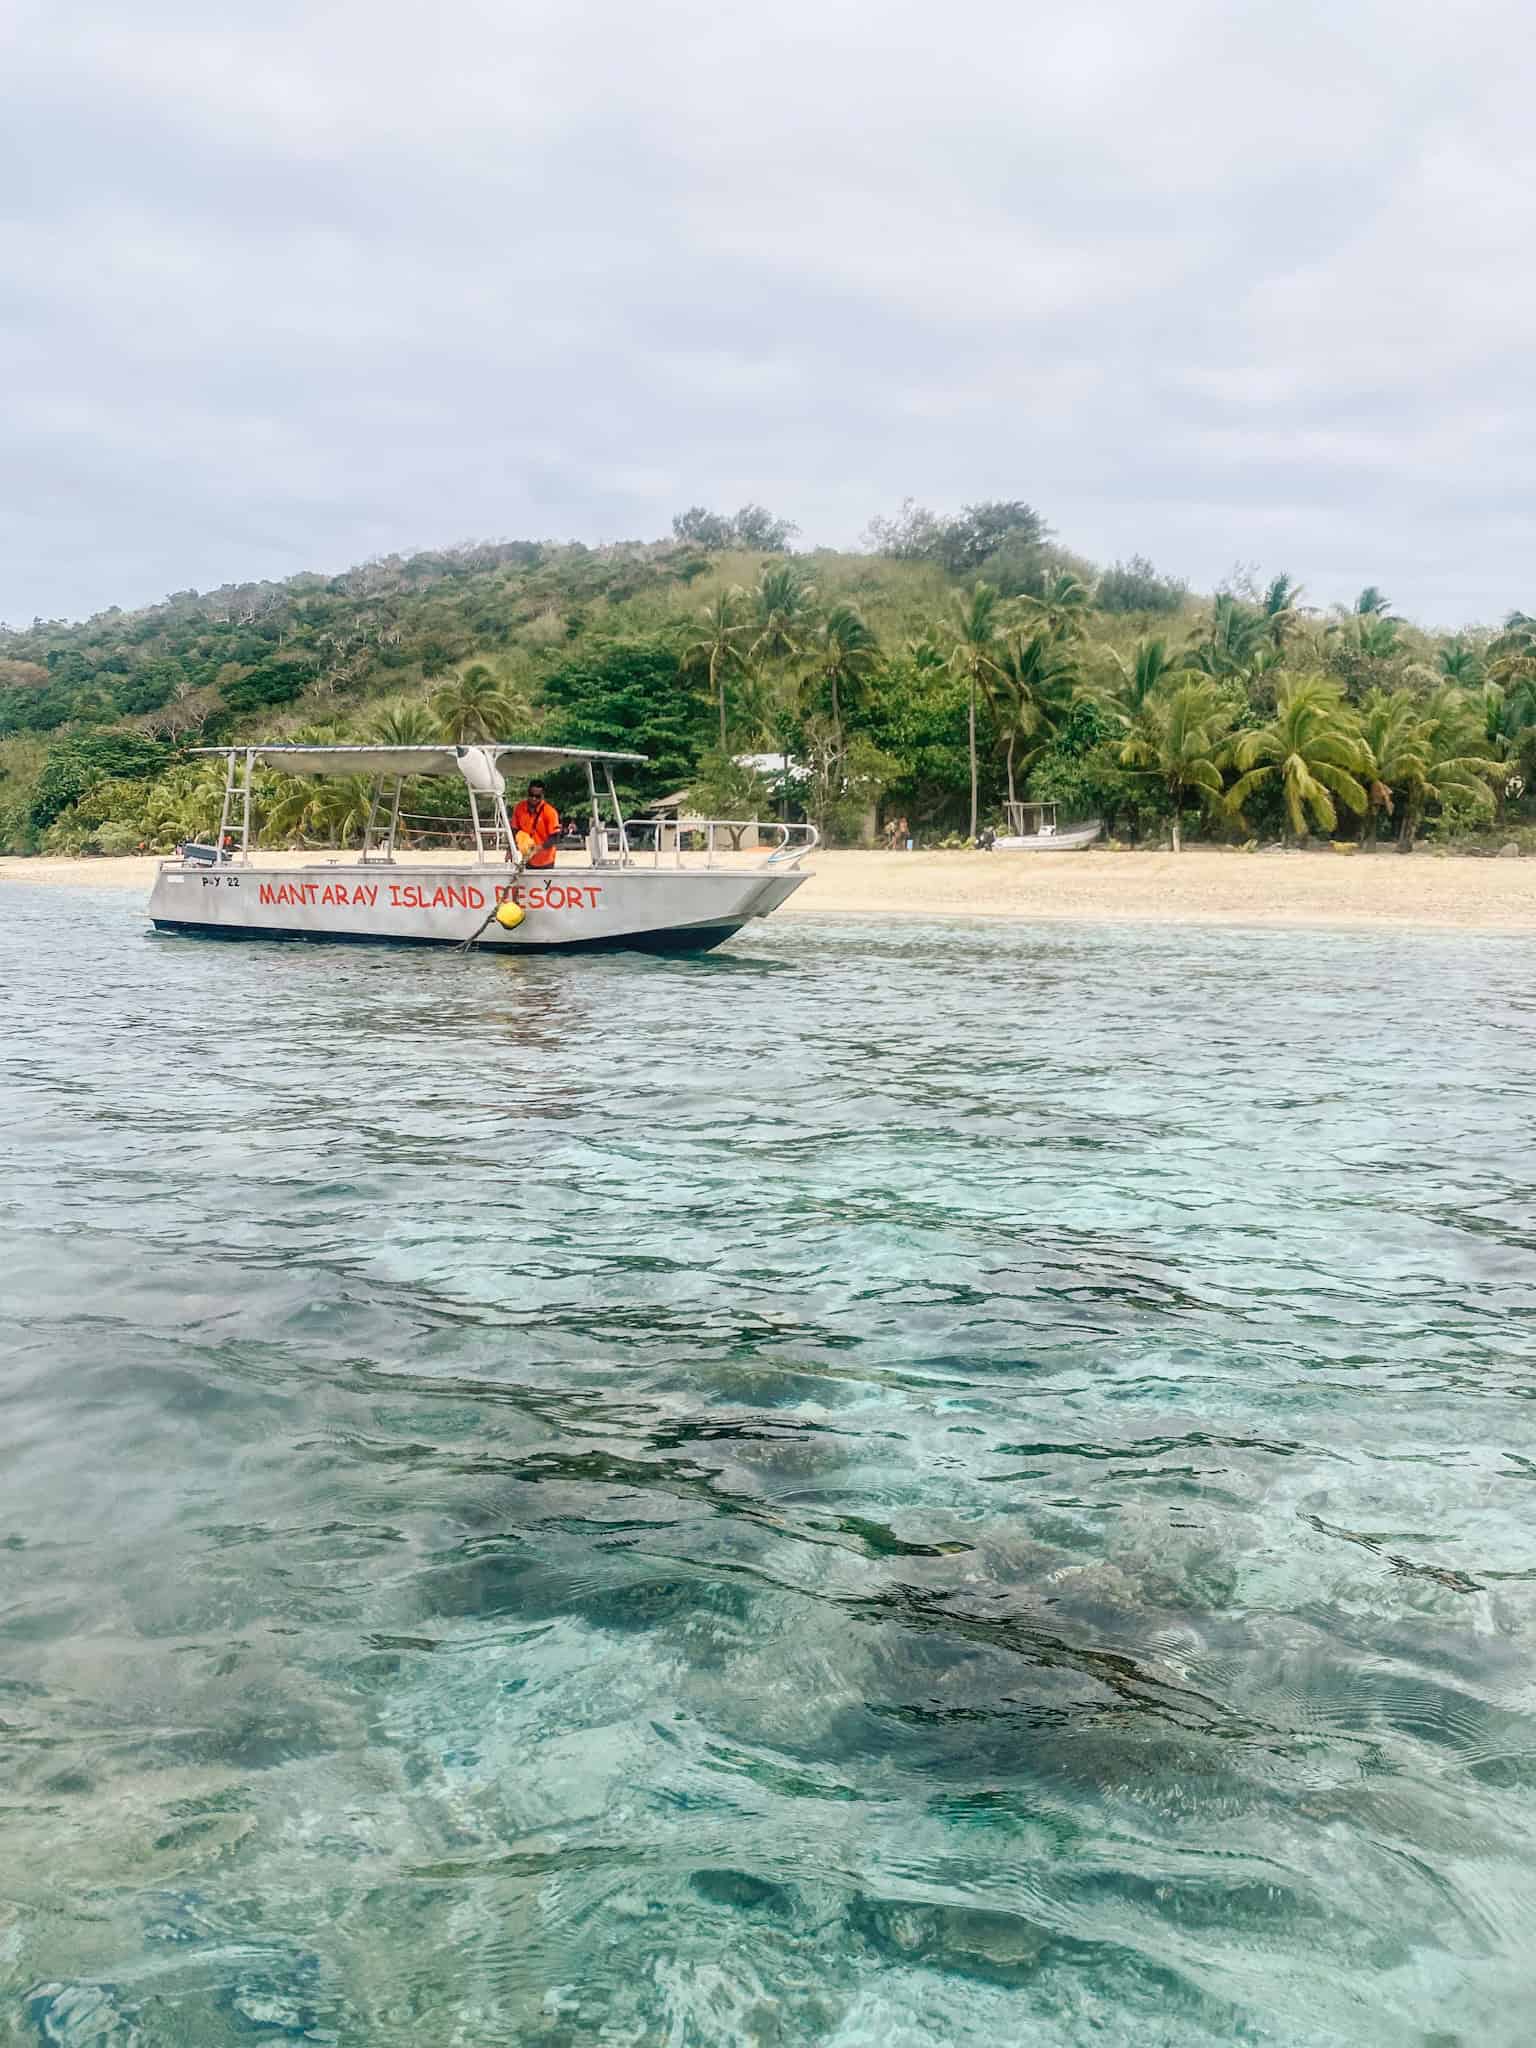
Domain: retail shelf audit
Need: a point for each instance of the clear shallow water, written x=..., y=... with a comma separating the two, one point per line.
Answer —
x=894, y=1486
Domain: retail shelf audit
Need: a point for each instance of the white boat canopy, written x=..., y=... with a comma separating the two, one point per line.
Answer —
x=510, y=757
x=483, y=770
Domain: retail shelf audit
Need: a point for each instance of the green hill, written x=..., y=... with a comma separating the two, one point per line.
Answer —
x=1106, y=690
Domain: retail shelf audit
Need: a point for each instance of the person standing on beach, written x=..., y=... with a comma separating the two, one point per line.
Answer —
x=536, y=819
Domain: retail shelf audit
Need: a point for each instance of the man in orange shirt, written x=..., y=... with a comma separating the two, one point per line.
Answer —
x=536, y=817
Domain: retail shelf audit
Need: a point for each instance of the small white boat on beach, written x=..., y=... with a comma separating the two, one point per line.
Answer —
x=620, y=887
x=1033, y=828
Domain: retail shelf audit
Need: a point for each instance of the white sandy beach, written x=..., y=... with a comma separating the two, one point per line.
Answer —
x=1201, y=886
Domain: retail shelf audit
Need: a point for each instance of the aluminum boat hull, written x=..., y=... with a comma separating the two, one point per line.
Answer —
x=568, y=907
x=1071, y=841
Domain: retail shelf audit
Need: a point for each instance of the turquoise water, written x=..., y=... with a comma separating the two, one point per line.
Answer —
x=891, y=1486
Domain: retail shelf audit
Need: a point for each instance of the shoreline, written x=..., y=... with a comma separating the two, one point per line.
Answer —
x=1203, y=885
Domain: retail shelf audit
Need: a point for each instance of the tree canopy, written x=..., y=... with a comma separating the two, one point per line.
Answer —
x=961, y=657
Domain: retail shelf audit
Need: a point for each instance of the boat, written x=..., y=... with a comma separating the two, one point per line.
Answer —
x=621, y=888
x=1033, y=828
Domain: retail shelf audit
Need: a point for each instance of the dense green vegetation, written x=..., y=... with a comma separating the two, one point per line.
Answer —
x=957, y=661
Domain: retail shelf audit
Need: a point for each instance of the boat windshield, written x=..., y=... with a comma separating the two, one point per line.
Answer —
x=1028, y=821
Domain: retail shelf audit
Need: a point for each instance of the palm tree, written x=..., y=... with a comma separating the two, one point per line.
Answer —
x=185, y=803
x=845, y=651
x=1235, y=635
x=1460, y=664
x=926, y=652
x=1266, y=660
x=1062, y=608
x=1313, y=748
x=783, y=613
x=475, y=706
x=323, y=810
x=976, y=657
x=1281, y=606
x=783, y=619
x=1179, y=742
x=1453, y=735
x=719, y=648
x=405, y=725
x=1509, y=723
x=1033, y=694
x=1134, y=681
x=344, y=807
x=1365, y=642
x=1396, y=744
x=1376, y=635
x=1512, y=657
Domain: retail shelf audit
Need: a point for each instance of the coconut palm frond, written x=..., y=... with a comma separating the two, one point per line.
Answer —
x=1180, y=742
x=404, y=725
x=1238, y=792
x=1314, y=746
x=1306, y=798
x=1205, y=775
x=1061, y=609
x=784, y=613
x=720, y=650
x=475, y=705
x=844, y=653
x=1460, y=664
x=1232, y=641
x=1133, y=682
x=1342, y=783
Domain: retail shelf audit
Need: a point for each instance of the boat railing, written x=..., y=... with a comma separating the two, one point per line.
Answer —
x=637, y=842
x=680, y=842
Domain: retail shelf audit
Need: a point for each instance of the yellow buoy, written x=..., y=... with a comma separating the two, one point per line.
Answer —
x=524, y=843
x=509, y=915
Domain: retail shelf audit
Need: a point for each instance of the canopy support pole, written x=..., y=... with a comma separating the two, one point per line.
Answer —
x=597, y=838
x=613, y=798
x=229, y=799
x=374, y=795
x=245, y=808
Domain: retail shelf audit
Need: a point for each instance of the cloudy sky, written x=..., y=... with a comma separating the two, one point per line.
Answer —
x=286, y=285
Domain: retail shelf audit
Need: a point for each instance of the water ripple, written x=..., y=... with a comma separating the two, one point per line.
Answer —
x=895, y=1485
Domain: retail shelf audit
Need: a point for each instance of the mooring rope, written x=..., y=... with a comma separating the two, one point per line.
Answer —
x=516, y=869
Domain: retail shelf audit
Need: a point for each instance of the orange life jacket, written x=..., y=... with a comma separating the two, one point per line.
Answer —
x=542, y=824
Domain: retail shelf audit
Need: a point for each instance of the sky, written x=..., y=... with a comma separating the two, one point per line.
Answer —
x=285, y=286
